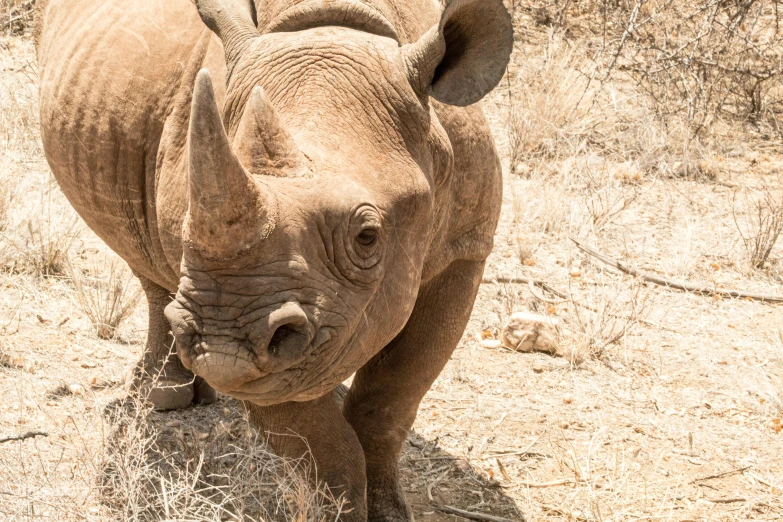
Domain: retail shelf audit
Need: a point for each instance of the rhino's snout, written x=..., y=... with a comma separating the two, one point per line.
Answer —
x=284, y=339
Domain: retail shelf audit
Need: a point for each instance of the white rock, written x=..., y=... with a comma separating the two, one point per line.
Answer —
x=528, y=332
x=76, y=389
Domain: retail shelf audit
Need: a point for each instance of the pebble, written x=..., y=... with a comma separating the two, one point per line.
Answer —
x=490, y=343
x=76, y=389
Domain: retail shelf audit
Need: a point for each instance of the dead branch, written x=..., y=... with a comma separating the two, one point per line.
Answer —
x=721, y=475
x=28, y=435
x=536, y=283
x=471, y=515
x=674, y=284
x=527, y=281
x=550, y=484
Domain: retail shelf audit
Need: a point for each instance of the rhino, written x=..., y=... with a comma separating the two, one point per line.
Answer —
x=307, y=191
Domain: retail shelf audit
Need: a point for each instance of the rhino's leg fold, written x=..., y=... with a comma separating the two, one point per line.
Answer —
x=316, y=432
x=159, y=375
x=384, y=398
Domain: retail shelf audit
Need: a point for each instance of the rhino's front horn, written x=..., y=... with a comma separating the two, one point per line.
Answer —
x=227, y=211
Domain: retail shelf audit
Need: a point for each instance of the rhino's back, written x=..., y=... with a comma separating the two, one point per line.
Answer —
x=108, y=74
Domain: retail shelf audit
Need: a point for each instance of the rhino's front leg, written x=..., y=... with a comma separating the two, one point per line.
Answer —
x=383, y=400
x=317, y=429
x=159, y=375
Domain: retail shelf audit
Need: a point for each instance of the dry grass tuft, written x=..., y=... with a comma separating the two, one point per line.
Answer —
x=45, y=247
x=184, y=470
x=106, y=293
x=760, y=225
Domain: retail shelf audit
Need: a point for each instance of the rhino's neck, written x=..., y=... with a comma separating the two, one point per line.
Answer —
x=404, y=21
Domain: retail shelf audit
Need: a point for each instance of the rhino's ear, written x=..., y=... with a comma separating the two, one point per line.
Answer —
x=232, y=21
x=465, y=56
x=227, y=210
x=262, y=144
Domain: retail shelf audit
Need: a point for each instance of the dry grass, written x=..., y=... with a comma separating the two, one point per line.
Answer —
x=218, y=470
x=558, y=111
x=128, y=463
x=761, y=224
x=107, y=293
x=16, y=15
x=601, y=318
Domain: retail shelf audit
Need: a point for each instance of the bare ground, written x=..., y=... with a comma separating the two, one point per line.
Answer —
x=661, y=405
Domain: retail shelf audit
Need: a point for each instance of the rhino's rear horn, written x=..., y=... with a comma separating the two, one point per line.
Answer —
x=228, y=212
x=262, y=144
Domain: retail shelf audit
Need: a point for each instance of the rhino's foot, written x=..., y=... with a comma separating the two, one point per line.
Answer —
x=388, y=505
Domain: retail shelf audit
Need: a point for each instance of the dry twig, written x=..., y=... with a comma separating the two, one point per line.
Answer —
x=23, y=436
x=671, y=283
x=721, y=475
x=471, y=515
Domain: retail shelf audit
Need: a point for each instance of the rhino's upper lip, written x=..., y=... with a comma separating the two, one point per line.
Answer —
x=322, y=336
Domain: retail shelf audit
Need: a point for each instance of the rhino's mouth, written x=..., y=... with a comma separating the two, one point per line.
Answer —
x=236, y=369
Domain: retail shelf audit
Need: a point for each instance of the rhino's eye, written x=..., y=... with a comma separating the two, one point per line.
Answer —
x=364, y=240
x=367, y=237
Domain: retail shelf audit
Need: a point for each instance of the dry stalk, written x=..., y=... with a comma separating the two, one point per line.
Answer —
x=107, y=297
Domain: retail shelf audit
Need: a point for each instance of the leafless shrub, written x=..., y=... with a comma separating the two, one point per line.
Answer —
x=761, y=225
x=606, y=197
x=702, y=61
x=602, y=317
x=107, y=294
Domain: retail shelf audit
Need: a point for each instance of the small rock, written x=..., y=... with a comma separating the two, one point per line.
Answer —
x=174, y=423
x=76, y=389
x=538, y=369
x=88, y=364
x=575, y=272
x=564, y=425
x=528, y=332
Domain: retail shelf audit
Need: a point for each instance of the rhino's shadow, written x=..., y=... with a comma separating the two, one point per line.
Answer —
x=432, y=476
x=178, y=462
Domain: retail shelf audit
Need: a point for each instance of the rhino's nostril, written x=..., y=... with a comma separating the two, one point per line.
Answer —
x=282, y=336
x=291, y=333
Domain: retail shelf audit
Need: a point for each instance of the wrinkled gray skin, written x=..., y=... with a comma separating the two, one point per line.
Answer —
x=305, y=192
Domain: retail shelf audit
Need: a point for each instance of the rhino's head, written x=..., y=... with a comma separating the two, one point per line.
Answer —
x=311, y=195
